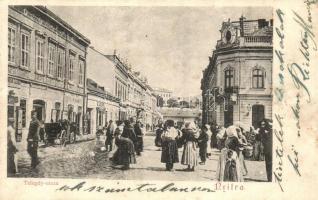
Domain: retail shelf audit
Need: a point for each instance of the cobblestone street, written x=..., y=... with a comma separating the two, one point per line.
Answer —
x=83, y=160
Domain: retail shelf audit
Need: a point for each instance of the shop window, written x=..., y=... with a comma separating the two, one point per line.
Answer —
x=39, y=107
x=56, y=112
x=23, y=112
x=70, y=113
x=99, y=118
x=79, y=116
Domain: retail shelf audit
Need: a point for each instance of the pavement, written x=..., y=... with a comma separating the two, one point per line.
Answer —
x=86, y=160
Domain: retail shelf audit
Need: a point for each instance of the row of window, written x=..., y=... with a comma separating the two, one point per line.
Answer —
x=120, y=90
x=165, y=95
x=258, y=77
x=56, y=56
x=123, y=93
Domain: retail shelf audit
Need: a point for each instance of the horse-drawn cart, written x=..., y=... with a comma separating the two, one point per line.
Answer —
x=64, y=132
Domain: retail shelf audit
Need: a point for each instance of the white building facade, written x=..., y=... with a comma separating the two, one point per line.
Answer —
x=237, y=84
x=46, y=68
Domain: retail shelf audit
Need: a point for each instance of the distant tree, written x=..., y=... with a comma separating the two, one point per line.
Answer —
x=172, y=102
x=160, y=101
x=184, y=104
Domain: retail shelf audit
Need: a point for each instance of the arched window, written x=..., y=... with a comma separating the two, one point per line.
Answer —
x=258, y=78
x=228, y=78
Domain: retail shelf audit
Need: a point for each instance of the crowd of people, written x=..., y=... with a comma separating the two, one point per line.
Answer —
x=234, y=144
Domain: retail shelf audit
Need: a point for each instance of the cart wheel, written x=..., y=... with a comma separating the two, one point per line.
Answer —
x=62, y=138
x=72, y=137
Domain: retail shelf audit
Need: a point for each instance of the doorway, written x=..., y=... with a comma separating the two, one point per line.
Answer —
x=228, y=116
x=257, y=115
x=39, y=107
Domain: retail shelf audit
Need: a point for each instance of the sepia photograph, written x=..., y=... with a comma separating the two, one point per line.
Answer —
x=140, y=93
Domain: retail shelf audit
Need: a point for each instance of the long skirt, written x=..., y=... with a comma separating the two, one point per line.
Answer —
x=190, y=155
x=209, y=147
x=258, y=151
x=242, y=163
x=11, y=165
x=125, y=153
x=169, y=152
x=214, y=143
x=229, y=167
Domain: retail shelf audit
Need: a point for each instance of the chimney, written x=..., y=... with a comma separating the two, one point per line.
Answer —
x=261, y=23
x=242, y=25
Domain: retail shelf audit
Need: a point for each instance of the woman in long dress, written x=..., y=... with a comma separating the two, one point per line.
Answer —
x=209, y=147
x=229, y=167
x=190, y=154
x=169, y=154
x=220, y=138
x=125, y=153
x=242, y=142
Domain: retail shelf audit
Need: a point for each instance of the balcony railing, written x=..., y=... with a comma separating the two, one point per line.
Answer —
x=230, y=90
x=257, y=39
x=248, y=41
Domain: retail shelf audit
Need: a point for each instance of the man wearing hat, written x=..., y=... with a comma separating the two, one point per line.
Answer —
x=33, y=139
x=266, y=133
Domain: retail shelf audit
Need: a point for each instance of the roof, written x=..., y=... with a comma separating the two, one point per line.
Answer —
x=178, y=112
x=54, y=18
x=266, y=31
x=62, y=22
x=100, y=91
x=157, y=89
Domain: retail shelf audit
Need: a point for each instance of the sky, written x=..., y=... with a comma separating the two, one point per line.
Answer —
x=169, y=45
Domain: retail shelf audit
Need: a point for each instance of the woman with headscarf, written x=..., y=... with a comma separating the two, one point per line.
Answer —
x=189, y=138
x=159, y=132
x=220, y=137
x=129, y=132
x=258, y=148
x=125, y=153
x=169, y=154
x=209, y=147
x=229, y=168
x=242, y=143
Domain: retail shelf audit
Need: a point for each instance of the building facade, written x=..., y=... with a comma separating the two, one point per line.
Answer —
x=102, y=106
x=237, y=84
x=165, y=94
x=46, y=68
x=181, y=115
x=135, y=96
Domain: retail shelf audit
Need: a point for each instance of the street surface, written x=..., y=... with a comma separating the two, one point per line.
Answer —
x=85, y=160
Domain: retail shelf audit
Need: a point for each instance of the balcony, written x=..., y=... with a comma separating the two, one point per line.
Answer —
x=262, y=41
x=247, y=41
x=231, y=90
